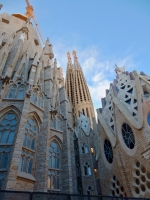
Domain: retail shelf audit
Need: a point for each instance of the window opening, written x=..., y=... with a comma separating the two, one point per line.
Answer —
x=128, y=136
x=54, y=166
x=85, y=148
x=8, y=128
x=28, y=149
x=108, y=151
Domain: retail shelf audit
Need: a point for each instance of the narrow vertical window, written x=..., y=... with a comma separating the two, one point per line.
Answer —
x=28, y=148
x=54, y=166
x=21, y=91
x=12, y=91
x=85, y=148
x=8, y=128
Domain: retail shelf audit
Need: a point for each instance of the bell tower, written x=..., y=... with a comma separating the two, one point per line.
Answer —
x=77, y=89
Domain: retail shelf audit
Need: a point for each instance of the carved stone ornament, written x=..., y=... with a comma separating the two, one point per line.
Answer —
x=28, y=93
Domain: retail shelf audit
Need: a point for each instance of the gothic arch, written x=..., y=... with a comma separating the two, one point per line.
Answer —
x=36, y=117
x=11, y=108
x=57, y=140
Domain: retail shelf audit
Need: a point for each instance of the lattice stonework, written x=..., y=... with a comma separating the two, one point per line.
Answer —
x=127, y=93
x=108, y=112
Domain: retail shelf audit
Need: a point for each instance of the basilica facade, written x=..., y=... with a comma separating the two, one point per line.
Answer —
x=50, y=140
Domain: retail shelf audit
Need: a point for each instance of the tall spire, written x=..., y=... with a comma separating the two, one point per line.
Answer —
x=77, y=89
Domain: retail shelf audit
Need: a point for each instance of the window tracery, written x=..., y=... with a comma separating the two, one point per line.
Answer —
x=54, y=166
x=37, y=99
x=128, y=136
x=20, y=92
x=8, y=128
x=16, y=91
x=108, y=151
x=28, y=148
x=12, y=91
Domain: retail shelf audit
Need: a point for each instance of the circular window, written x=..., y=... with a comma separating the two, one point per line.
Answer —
x=148, y=119
x=108, y=151
x=137, y=190
x=137, y=181
x=137, y=173
x=138, y=164
x=128, y=136
x=143, y=170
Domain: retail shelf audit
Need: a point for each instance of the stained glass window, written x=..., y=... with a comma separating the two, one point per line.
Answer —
x=8, y=128
x=20, y=94
x=54, y=166
x=128, y=136
x=12, y=91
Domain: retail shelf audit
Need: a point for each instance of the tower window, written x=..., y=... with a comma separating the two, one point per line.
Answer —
x=87, y=169
x=54, y=166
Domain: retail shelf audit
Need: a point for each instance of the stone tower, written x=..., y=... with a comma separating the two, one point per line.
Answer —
x=77, y=89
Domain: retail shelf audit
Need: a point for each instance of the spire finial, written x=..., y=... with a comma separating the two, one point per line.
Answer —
x=74, y=53
x=68, y=55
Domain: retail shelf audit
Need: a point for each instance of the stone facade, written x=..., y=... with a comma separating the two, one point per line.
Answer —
x=124, y=127
x=36, y=135
x=49, y=138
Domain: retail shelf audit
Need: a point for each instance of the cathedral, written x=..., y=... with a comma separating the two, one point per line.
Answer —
x=50, y=139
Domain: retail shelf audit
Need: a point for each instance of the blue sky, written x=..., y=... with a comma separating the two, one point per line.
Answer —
x=103, y=32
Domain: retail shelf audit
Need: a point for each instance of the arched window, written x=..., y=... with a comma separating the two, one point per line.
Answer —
x=21, y=91
x=28, y=150
x=87, y=169
x=54, y=166
x=85, y=148
x=8, y=128
x=12, y=91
